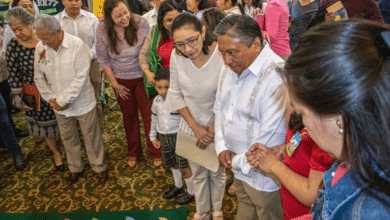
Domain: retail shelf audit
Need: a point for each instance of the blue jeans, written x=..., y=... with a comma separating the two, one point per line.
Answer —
x=7, y=134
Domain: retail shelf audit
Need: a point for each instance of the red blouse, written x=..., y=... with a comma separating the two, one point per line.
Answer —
x=308, y=156
x=165, y=51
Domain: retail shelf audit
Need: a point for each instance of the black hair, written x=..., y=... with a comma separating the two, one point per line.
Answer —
x=348, y=74
x=16, y=3
x=241, y=5
x=185, y=19
x=162, y=74
x=241, y=27
x=295, y=123
x=202, y=4
x=234, y=2
x=210, y=19
x=130, y=31
x=165, y=7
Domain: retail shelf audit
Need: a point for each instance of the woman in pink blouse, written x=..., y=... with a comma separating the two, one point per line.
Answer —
x=119, y=40
x=274, y=25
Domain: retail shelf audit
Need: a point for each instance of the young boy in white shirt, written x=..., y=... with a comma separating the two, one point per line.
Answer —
x=166, y=124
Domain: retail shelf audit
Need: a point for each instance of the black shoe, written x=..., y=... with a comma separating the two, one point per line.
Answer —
x=19, y=133
x=73, y=177
x=19, y=162
x=60, y=167
x=173, y=192
x=102, y=176
x=185, y=199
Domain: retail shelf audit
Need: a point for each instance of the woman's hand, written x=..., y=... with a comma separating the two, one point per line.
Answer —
x=203, y=135
x=150, y=76
x=257, y=11
x=25, y=108
x=266, y=160
x=121, y=91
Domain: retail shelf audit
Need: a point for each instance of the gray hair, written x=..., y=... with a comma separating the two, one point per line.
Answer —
x=19, y=14
x=241, y=27
x=47, y=22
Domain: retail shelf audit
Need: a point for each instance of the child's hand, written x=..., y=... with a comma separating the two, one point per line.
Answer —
x=156, y=144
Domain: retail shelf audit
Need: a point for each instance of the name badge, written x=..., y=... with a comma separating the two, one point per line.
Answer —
x=293, y=144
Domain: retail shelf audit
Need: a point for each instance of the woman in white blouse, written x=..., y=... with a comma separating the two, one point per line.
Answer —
x=195, y=67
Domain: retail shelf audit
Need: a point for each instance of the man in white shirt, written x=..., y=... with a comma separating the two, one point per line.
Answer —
x=249, y=109
x=61, y=73
x=83, y=24
x=151, y=16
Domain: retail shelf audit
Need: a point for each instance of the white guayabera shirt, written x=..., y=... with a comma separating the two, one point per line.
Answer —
x=64, y=74
x=249, y=109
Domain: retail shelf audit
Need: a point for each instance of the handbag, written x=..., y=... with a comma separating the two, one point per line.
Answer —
x=29, y=100
x=154, y=61
x=31, y=96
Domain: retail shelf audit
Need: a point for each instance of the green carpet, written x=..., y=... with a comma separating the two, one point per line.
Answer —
x=41, y=189
x=179, y=214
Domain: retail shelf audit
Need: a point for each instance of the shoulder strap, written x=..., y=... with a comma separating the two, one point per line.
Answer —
x=154, y=58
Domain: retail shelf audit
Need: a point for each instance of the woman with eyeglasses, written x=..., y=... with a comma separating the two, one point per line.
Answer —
x=119, y=40
x=41, y=120
x=195, y=67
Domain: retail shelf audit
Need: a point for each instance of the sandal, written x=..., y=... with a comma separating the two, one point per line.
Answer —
x=132, y=161
x=217, y=215
x=157, y=162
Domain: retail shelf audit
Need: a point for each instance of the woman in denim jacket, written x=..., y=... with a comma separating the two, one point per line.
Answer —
x=338, y=78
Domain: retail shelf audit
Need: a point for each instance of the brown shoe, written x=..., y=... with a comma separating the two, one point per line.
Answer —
x=73, y=177
x=102, y=176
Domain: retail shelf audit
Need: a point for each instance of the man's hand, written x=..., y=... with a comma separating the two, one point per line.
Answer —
x=156, y=143
x=53, y=103
x=330, y=17
x=225, y=159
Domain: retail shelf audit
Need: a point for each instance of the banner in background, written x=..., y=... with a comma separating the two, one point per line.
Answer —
x=51, y=7
x=98, y=8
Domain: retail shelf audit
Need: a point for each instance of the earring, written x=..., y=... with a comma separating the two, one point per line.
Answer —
x=339, y=124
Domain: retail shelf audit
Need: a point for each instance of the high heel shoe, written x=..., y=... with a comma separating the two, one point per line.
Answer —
x=60, y=167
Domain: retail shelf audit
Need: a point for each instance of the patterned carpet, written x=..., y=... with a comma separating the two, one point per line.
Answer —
x=40, y=188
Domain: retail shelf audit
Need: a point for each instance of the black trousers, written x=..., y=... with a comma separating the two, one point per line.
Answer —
x=5, y=91
x=7, y=134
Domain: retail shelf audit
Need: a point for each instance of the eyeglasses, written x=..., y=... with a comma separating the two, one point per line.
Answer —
x=190, y=43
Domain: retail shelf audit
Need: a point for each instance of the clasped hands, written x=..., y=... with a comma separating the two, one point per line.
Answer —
x=204, y=134
x=53, y=103
x=261, y=157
